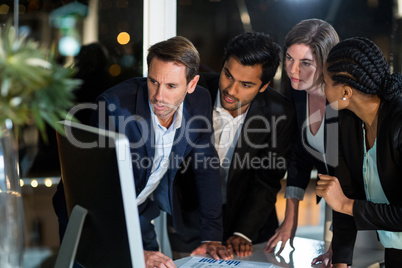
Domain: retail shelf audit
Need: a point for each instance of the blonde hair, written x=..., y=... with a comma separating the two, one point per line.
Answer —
x=319, y=36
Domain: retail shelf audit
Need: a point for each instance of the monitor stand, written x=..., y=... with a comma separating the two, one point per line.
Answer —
x=71, y=239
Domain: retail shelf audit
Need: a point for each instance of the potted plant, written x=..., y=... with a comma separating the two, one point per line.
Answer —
x=34, y=89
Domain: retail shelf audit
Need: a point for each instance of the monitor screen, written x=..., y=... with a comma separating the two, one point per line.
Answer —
x=97, y=174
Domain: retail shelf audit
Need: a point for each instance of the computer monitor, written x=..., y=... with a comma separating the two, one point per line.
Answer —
x=96, y=171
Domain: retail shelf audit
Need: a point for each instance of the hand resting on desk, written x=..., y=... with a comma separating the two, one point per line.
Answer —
x=157, y=259
x=240, y=246
x=324, y=259
x=287, y=230
x=215, y=249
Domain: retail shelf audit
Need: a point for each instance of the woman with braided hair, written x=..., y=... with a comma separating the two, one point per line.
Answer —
x=366, y=191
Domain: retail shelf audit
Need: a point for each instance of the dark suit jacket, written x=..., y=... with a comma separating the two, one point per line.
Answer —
x=368, y=215
x=125, y=109
x=303, y=158
x=252, y=188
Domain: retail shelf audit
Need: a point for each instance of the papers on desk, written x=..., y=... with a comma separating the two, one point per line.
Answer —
x=198, y=262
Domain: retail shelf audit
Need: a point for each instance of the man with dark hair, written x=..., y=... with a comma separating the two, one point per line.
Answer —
x=253, y=130
x=166, y=118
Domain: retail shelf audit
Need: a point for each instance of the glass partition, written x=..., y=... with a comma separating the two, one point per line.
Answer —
x=210, y=24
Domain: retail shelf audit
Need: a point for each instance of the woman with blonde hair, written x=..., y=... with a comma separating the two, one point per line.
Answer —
x=307, y=46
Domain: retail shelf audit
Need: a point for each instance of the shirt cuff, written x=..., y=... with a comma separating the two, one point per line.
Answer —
x=294, y=192
x=242, y=236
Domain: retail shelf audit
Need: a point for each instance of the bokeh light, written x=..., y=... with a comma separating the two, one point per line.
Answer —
x=114, y=70
x=123, y=38
x=34, y=183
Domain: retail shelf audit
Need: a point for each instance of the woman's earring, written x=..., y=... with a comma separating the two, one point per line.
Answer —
x=344, y=98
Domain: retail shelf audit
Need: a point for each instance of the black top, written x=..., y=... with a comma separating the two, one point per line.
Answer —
x=303, y=157
x=368, y=215
x=252, y=188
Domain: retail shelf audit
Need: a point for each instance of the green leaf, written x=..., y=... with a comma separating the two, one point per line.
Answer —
x=34, y=88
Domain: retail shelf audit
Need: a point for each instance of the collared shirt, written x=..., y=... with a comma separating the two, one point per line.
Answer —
x=375, y=193
x=164, y=138
x=227, y=131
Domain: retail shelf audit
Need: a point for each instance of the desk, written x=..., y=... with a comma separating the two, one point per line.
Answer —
x=304, y=252
x=39, y=257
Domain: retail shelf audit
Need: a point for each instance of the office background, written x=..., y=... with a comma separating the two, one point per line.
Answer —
x=118, y=28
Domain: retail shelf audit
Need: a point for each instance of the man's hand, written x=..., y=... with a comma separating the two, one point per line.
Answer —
x=215, y=249
x=157, y=259
x=239, y=245
x=330, y=189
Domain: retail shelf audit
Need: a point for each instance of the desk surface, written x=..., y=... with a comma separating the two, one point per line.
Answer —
x=304, y=252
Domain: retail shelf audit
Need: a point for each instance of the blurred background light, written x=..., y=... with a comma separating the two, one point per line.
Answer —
x=38, y=181
x=4, y=8
x=114, y=70
x=398, y=13
x=34, y=183
x=123, y=38
x=24, y=29
x=69, y=46
x=127, y=60
x=48, y=182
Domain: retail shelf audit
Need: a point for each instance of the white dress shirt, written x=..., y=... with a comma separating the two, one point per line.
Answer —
x=164, y=138
x=227, y=130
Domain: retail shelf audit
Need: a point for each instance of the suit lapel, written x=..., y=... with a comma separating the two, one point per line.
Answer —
x=213, y=92
x=180, y=143
x=245, y=138
x=243, y=144
x=250, y=122
x=299, y=98
x=331, y=117
x=144, y=122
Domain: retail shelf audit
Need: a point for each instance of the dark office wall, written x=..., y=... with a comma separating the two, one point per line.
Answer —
x=210, y=24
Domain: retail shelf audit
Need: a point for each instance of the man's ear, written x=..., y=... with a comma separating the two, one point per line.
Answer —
x=264, y=87
x=192, y=84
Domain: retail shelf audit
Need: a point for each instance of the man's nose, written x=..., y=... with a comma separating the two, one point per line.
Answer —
x=232, y=88
x=159, y=93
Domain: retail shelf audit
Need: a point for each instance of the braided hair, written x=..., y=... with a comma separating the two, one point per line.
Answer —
x=359, y=63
